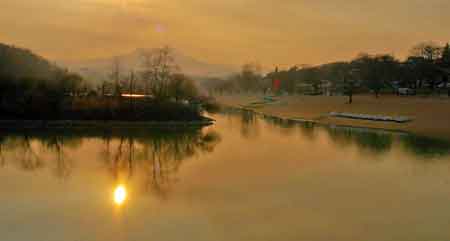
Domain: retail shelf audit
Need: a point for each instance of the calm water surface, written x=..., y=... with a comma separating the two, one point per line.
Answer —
x=245, y=178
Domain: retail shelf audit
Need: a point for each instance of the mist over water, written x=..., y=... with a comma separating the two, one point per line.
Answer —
x=244, y=178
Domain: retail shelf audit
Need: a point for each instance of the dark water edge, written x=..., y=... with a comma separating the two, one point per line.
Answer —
x=376, y=140
x=43, y=124
x=368, y=139
x=308, y=121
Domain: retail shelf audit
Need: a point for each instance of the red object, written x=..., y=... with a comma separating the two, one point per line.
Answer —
x=276, y=85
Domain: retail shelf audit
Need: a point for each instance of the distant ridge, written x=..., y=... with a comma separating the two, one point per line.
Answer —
x=98, y=69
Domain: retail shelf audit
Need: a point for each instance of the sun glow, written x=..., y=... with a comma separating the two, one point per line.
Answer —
x=120, y=194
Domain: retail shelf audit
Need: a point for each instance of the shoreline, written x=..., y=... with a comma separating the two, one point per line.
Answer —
x=318, y=123
x=50, y=124
x=430, y=117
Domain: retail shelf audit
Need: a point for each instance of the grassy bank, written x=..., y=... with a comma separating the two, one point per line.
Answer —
x=431, y=115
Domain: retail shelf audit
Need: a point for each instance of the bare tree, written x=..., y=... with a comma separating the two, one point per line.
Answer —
x=250, y=77
x=159, y=67
x=131, y=90
x=115, y=75
x=147, y=73
x=430, y=51
x=424, y=57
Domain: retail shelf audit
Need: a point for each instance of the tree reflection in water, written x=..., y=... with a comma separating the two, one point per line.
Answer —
x=425, y=147
x=158, y=153
x=376, y=142
x=249, y=124
x=25, y=155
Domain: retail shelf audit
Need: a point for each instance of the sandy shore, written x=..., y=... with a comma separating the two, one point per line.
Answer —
x=431, y=116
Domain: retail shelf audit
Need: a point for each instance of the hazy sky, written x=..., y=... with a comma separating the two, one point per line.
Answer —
x=282, y=32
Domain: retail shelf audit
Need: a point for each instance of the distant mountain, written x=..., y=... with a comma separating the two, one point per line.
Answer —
x=97, y=70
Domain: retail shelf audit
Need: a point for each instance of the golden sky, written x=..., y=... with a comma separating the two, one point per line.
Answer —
x=272, y=32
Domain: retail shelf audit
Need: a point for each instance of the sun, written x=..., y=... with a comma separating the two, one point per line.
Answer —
x=120, y=194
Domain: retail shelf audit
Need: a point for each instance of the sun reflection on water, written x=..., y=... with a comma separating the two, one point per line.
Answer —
x=120, y=195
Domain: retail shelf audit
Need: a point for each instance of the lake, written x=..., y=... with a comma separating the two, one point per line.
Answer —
x=245, y=178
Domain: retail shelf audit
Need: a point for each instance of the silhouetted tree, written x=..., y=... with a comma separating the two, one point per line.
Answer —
x=350, y=79
x=250, y=77
x=427, y=50
x=159, y=67
x=116, y=74
x=446, y=56
x=445, y=65
x=182, y=87
x=377, y=71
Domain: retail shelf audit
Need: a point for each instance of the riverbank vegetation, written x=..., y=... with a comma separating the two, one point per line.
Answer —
x=425, y=71
x=417, y=87
x=32, y=88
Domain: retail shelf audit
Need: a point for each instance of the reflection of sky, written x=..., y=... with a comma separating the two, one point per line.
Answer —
x=297, y=185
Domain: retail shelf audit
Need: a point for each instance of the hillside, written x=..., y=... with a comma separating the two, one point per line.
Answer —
x=22, y=63
x=33, y=89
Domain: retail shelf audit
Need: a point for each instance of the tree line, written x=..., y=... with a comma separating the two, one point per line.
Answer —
x=33, y=88
x=157, y=76
x=425, y=70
